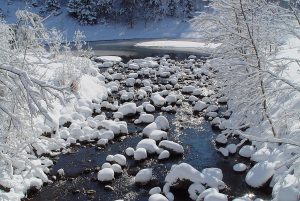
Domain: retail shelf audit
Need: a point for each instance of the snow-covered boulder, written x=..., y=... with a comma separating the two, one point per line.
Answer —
x=182, y=172
x=195, y=189
x=117, y=168
x=143, y=176
x=158, y=135
x=149, y=108
x=164, y=155
x=216, y=197
x=155, y=190
x=199, y=106
x=106, y=174
x=158, y=100
x=120, y=159
x=149, y=145
x=140, y=154
x=239, y=167
x=108, y=135
x=129, y=151
x=127, y=109
x=157, y=197
x=149, y=128
x=171, y=146
x=146, y=118
x=162, y=123
x=247, y=151
x=188, y=89
x=259, y=174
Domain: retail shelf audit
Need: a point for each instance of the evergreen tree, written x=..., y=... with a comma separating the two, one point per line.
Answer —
x=52, y=5
x=104, y=8
x=86, y=13
x=172, y=7
x=73, y=6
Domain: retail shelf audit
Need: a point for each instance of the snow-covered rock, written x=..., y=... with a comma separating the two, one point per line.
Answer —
x=149, y=145
x=188, y=89
x=146, y=118
x=106, y=174
x=155, y=190
x=127, y=109
x=117, y=168
x=149, y=108
x=120, y=159
x=158, y=100
x=129, y=151
x=239, y=167
x=195, y=189
x=184, y=171
x=162, y=123
x=143, y=176
x=259, y=174
x=158, y=135
x=164, y=155
x=140, y=154
x=149, y=128
x=199, y=106
x=171, y=146
x=157, y=197
x=247, y=151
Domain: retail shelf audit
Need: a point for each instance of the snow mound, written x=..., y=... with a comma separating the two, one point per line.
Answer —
x=240, y=167
x=157, y=197
x=120, y=159
x=143, y=176
x=162, y=123
x=184, y=171
x=158, y=135
x=164, y=155
x=259, y=174
x=127, y=109
x=140, y=154
x=149, y=145
x=106, y=174
x=171, y=146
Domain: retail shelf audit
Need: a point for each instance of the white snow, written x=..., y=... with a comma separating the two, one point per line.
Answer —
x=158, y=100
x=120, y=159
x=155, y=190
x=140, y=154
x=239, y=167
x=127, y=109
x=106, y=174
x=195, y=189
x=164, y=155
x=158, y=135
x=199, y=106
x=117, y=168
x=149, y=145
x=129, y=151
x=157, y=197
x=247, y=151
x=184, y=171
x=177, y=44
x=259, y=174
x=171, y=146
x=143, y=176
x=162, y=123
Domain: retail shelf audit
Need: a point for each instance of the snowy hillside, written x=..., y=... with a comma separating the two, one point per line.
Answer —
x=108, y=28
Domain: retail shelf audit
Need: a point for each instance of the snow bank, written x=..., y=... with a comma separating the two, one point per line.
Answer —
x=143, y=176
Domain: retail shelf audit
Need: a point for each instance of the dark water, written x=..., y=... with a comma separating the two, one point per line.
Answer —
x=190, y=130
x=127, y=50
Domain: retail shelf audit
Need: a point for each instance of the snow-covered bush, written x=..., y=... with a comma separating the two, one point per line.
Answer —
x=256, y=68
